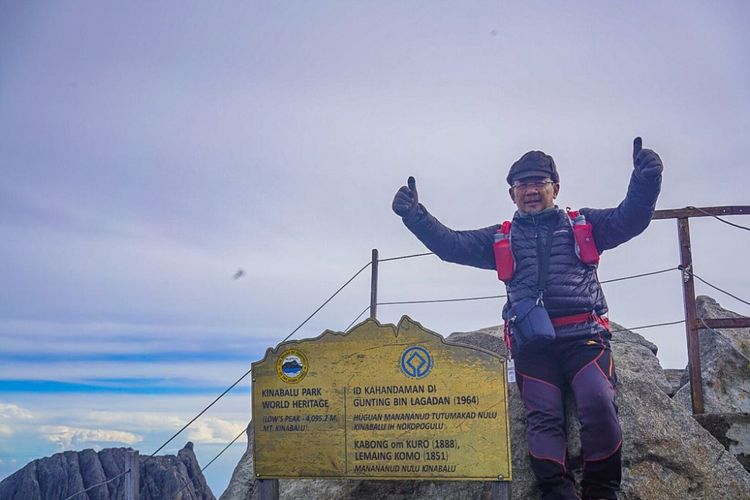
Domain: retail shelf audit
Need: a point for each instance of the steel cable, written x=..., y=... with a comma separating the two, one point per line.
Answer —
x=355, y=319
x=360, y=315
x=644, y=327
x=406, y=256
x=691, y=273
x=215, y=457
x=248, y=371
x=98, y=484
x=720, y=219
x=640, y=275
x=201, y=413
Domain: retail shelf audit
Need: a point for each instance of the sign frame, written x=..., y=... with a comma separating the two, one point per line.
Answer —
x=289, y=356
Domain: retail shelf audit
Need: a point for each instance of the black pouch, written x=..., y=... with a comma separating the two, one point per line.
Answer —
x=529, y=321
x=530, y=324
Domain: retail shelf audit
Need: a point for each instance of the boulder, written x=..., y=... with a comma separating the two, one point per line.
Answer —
x=725, y=373
x=666, y=453
x=59, y=476
x=732, y=430
x=676, y=378
x=638, y=356
x=177, y=477
x=725, y=363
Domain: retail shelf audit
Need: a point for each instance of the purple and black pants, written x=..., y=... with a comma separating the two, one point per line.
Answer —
x=580, y=359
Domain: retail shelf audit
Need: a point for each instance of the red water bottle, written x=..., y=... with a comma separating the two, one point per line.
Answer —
x=584, y=238
x=503, y=254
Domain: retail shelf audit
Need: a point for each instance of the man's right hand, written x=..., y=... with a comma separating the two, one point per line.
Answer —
x=406, y=201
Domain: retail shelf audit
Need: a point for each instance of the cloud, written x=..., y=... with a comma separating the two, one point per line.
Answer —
x=146, y=421
x=10, y=415
x=11, y=411
x=74, y=437
x=215, y=431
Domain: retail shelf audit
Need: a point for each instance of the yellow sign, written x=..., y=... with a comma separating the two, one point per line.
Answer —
x=381, y=402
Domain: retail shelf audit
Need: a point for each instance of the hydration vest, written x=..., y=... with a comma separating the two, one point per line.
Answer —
x=585, y=247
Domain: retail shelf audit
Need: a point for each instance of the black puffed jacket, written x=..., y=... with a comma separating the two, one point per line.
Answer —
x=572, y=287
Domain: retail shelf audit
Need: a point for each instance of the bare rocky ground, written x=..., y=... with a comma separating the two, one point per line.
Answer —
x=59, y=476
x=667, y=454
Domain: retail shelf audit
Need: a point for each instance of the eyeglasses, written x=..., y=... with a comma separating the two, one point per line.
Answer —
x=523, y=186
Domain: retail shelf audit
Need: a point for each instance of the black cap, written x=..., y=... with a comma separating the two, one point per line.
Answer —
x=533, y=163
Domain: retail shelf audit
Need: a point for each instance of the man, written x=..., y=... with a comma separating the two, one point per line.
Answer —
x=579, y=358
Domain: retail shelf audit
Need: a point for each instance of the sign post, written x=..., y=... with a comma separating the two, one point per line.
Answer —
x=381, y=402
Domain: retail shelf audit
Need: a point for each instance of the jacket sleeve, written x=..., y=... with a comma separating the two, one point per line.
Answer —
x=614, y=226
x=470, y=248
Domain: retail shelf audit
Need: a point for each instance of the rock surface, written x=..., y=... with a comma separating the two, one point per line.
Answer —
x=725, y=370
x=666, y=453
x=676, y=378
x=725, y=363
x=59, y=476
x=732, y=430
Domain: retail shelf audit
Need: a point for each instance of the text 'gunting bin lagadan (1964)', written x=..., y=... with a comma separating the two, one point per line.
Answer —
x=381, y=402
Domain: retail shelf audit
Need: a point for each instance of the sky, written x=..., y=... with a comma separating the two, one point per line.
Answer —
x=150, y=150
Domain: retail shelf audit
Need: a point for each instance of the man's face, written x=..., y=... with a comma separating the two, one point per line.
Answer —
x=533, y=194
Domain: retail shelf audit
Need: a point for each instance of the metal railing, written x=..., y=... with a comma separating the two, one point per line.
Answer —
x=692, y=322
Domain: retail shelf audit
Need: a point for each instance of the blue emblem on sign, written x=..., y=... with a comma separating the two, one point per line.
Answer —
x=416, y=362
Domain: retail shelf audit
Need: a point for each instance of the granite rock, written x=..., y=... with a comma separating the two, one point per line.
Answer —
x=725, y=363
x=59, y=476
x=676, y=378
x=666, y=453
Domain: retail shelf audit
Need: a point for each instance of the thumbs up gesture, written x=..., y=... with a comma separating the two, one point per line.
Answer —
x=406, y=201
x=646, y=162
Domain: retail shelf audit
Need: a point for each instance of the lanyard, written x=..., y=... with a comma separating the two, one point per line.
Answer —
x=544, y=257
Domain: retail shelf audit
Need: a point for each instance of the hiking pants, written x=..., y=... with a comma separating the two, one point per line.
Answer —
x=583, y=363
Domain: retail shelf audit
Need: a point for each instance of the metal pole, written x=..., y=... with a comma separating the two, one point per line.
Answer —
x=691, y=327
x=132, y=479
x=374, y=285
x=268, y=489
x=727, y=322
x=500, y=490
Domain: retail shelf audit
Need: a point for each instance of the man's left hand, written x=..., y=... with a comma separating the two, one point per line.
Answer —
x=646, y=162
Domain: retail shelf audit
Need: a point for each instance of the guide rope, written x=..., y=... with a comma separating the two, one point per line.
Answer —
x=437, y=301
x=326, y=302
x=623, y=341
x=250, y=370
x=355, y=319
x=225, y=449
x=691, y=273
x=406, y=256
x=98, y=484
x=708, y=327
x=719, y=218
x=215, y=457
x=486, y=297
x=640, y=275
x=201, y=413
x=644, y=327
